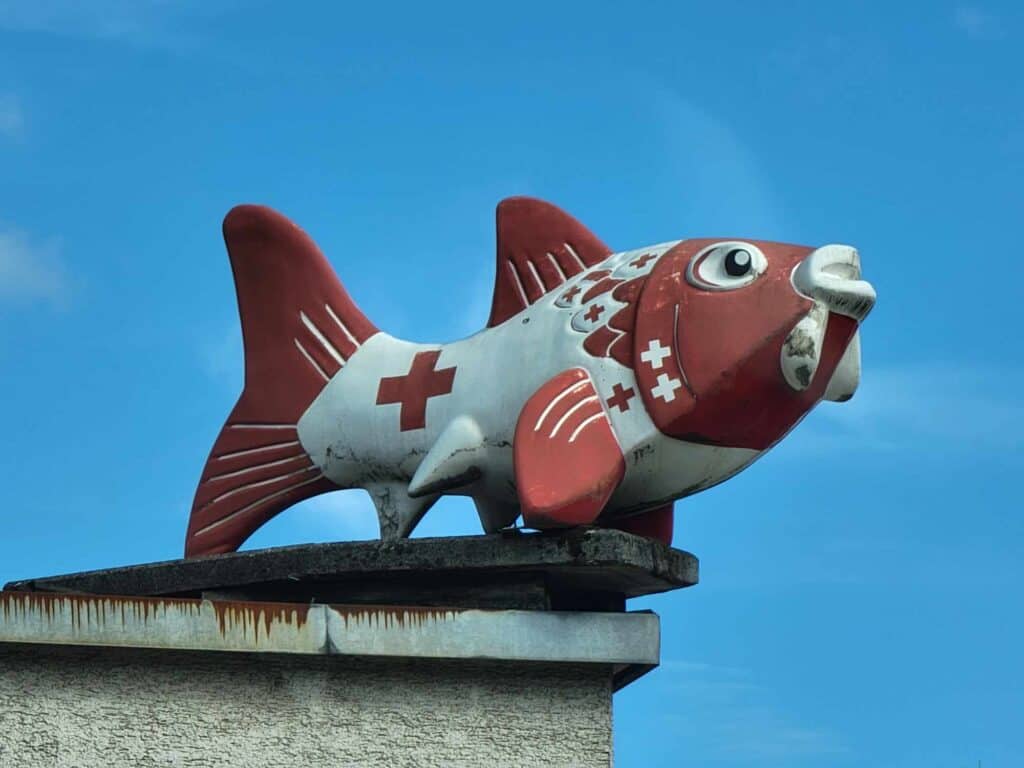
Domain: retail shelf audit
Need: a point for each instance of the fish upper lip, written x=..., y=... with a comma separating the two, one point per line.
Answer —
x=831, y=274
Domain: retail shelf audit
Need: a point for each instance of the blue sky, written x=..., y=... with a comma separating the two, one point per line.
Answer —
x=861, y=586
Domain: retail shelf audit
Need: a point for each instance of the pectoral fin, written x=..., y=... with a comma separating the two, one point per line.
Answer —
x=567, y=458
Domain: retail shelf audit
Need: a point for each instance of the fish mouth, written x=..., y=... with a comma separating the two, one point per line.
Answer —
x=832, y=275
x=831, y=278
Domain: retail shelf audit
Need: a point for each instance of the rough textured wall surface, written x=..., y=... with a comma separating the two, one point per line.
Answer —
x=80, y=707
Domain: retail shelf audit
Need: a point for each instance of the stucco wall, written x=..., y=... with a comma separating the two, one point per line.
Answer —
x=64, y=707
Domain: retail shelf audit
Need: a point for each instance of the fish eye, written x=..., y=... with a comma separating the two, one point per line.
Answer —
x=726, y=266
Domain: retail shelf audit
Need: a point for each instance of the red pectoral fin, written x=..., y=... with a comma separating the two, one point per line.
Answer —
x=655, y=524
x=567, y=460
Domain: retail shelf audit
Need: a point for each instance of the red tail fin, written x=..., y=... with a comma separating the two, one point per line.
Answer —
x=299, y=328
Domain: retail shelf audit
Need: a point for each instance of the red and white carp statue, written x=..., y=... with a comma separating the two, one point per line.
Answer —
x=604, y=387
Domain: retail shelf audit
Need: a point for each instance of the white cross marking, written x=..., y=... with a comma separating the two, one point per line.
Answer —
x=655, y=354
x=666, y=388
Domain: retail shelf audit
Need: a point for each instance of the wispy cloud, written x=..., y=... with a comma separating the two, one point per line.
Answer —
x=738, y=719
x=468, y=216
x=339, y=516
x=927, y=407
x=761, y=733
x=476, y=308
x=976, y=23
x=138, y=22
x=735, y=194
x=350, y=514
x=31, y=271
x=222, y=358
x=12, y=117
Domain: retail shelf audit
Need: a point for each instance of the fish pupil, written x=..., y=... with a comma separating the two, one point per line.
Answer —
x=737, y=262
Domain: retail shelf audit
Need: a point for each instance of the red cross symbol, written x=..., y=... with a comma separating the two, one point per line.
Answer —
x=593, y=313
x=568, y=295
x=620, y=397
x=415, y=388
x=642, y=261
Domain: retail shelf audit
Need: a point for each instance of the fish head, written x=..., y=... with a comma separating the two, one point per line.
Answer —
x=736, y=340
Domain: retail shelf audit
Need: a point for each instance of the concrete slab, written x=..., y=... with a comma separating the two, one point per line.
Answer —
x=577, y=569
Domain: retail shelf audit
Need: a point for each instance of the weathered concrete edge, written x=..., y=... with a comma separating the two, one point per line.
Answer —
x=570, y=551
x=618, y=639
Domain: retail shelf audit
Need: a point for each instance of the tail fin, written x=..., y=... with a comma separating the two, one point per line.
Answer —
x=299, y=328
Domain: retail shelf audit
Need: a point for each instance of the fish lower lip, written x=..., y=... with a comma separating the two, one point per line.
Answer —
x=846, y=377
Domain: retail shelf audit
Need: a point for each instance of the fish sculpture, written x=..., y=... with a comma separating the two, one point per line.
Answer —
x=604, y=387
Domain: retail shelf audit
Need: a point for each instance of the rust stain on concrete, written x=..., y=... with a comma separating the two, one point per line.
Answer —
x=233, y=614
x=389, y=615
x=99, y=611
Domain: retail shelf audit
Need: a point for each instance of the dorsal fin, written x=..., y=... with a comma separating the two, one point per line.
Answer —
x=540, y=246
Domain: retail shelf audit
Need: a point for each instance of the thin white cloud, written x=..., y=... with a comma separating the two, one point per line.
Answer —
x=350, y=514
x=681, y=666
x=760, y=733
x=927, y=407
x=31, y=271
x=12, y=117
x=222, y=357
x=108, y=19
x=470, y=214
x=137, y=22
x=732, y=192
x=976, y=23
x=476, y=308
x=738, y=719
x=340, y=516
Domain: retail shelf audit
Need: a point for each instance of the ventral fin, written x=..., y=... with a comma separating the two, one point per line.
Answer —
x=654, y=524
x=540, y=247
x=567, y=458
x=453, y=461
x=397, y=512
x=495, y=514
